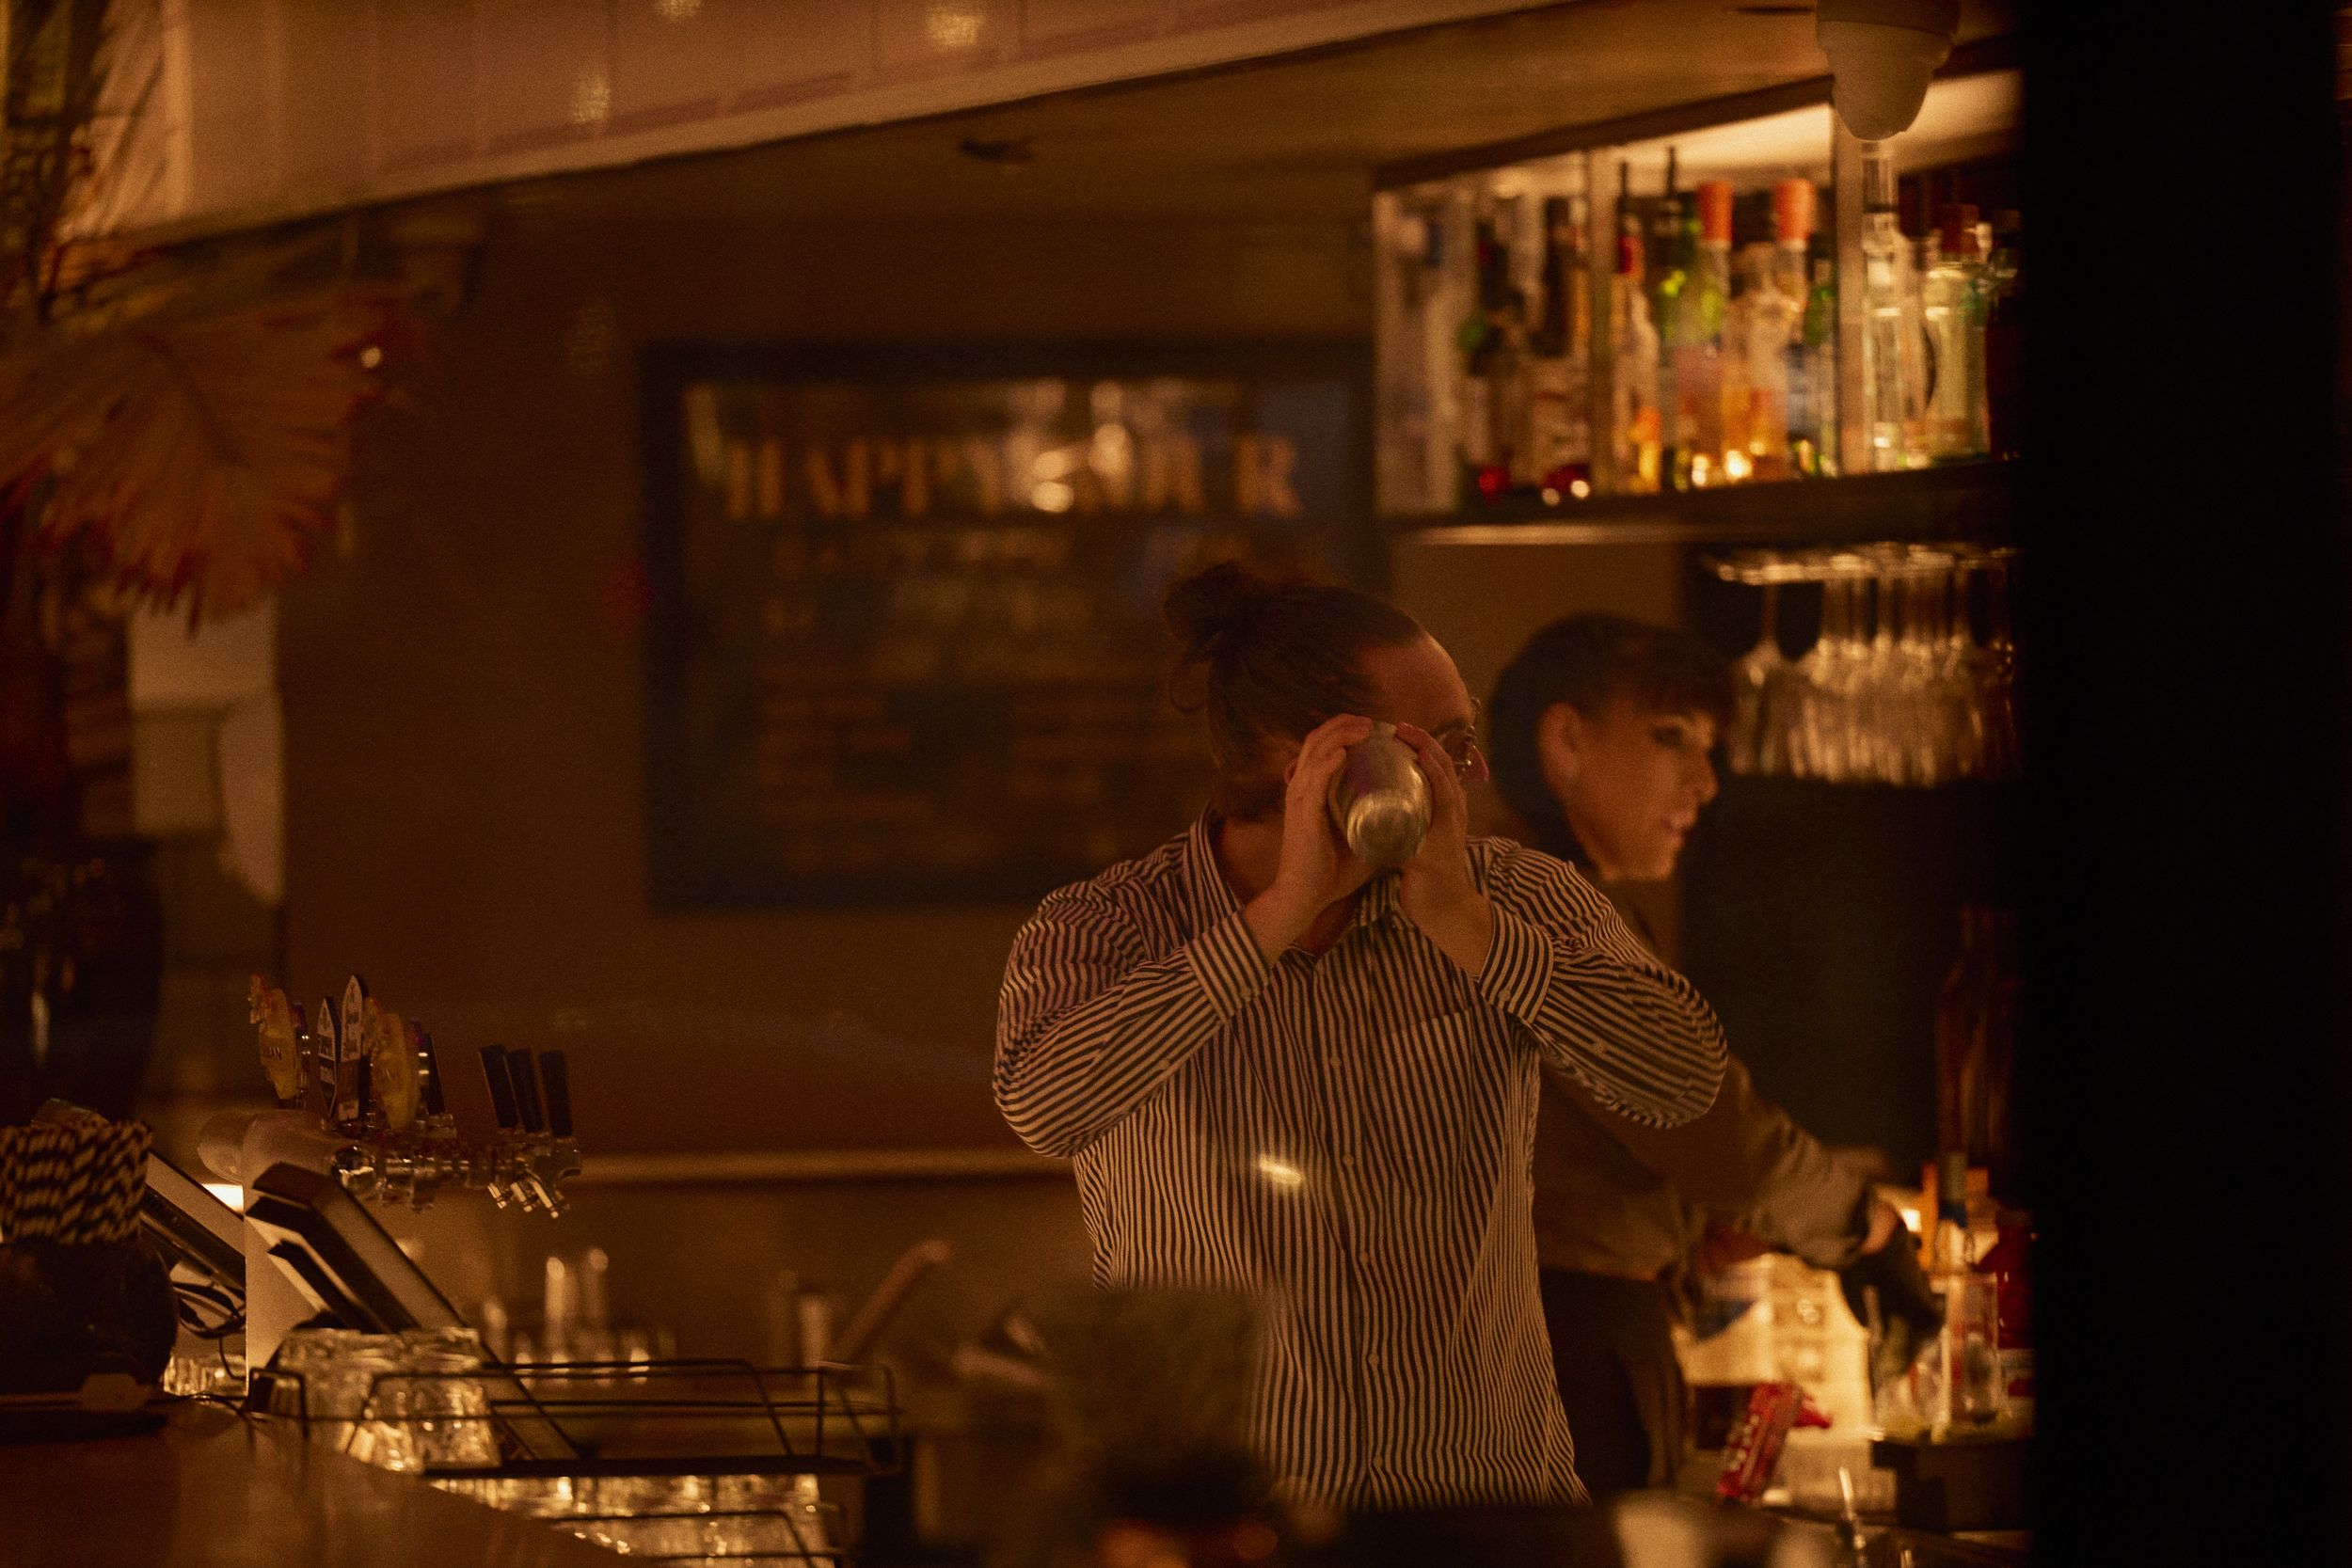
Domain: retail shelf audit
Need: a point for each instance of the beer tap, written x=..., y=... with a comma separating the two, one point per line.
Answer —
x=365, y=1101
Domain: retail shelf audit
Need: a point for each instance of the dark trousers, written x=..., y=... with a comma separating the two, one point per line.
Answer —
x=1613, y=1351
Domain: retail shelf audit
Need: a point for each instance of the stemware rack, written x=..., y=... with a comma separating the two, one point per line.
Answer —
x=1899, y=687
x=705, y=1460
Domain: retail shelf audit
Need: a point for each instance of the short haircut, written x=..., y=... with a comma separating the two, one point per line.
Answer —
x=1266, y=660
x=1588, y=661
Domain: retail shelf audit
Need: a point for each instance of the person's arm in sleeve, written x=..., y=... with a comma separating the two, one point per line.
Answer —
x=1551, y=954
x=1748, y=1163
x=1597, y=1006
x=1088, y=1025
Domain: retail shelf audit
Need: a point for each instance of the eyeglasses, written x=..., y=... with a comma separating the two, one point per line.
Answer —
x=1462, y=749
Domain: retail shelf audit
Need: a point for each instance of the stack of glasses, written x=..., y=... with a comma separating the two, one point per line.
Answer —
x=420, y=1402
x=747, y=1521
x=1899, y=688
x=399, y=1400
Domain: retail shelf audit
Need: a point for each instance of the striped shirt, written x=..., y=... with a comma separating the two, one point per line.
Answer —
x=1345, y=1138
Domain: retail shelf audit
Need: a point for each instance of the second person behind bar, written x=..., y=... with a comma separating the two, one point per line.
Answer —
x=1284, y=1076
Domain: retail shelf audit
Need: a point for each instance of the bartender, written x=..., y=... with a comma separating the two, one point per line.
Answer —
x=1286, y=1077
x=1601, y=733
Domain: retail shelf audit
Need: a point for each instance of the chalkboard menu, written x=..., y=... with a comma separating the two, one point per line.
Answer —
x=904, y=642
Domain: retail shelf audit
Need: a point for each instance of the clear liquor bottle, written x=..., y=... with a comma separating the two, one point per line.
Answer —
x=1751, y=284
x=1953, y=299
x=2004, y=336
x=1635, y=422
x=1694, y=341
x=1773, y=323
x=1670, y=249
x=1813, y=378
x=1894, y=368
x=1973, y=1391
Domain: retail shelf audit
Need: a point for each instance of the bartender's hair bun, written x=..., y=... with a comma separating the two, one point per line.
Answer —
x=1266, y=659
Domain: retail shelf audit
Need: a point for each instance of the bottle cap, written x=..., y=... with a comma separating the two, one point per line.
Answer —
x=1958, y=226
x=1715, y=211
x=1793, y=211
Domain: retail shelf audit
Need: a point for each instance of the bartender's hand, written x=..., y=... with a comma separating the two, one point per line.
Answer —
x=1887, y=1223
x=1317, y=869
x=1435, y=887
x=1722, y=1246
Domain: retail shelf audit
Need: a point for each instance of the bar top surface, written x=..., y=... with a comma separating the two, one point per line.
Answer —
x=208, y=1490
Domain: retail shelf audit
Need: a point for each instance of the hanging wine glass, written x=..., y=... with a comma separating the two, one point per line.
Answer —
x=1922, y=727
x=1757, y=744
x=1878, y=711
x=1998, y=696
x=1959, y=666
x=1831, y=670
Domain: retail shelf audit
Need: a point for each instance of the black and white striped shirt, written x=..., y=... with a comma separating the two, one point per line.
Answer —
x=1346, y=1139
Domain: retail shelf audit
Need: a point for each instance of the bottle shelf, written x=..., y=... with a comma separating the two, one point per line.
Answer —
x=1975, y=502
x=1646, y=338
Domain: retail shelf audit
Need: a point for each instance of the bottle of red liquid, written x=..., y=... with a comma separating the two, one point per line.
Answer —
x=2010, y=1265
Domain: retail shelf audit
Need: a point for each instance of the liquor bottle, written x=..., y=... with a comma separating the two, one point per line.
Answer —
x=1894, y=369
x=1490, y=360
x=2010, y=1263
x=1694, y=336
x=1972, y=1384
x=1634, y=423
x=1750, y=286
x=2004, y=388
x=1666, y=272
x=1774, y=324
x=1952, y=303
x=1813, y=378
x=1975, y=1032
x=1559, y=456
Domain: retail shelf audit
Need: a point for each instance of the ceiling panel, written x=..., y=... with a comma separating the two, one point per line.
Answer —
x=1289, y=140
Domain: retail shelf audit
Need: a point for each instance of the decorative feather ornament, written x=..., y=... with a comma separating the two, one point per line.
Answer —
x=201, y=448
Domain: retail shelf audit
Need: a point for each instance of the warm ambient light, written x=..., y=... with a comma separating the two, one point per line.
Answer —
x=1281, y=1173
x=229, y=1193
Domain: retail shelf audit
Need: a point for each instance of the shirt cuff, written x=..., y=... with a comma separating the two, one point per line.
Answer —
x=1226, y=960
x=1518, y=976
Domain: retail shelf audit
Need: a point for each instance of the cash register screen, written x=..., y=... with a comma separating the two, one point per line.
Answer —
x=191, y=1227
x=337, y=1255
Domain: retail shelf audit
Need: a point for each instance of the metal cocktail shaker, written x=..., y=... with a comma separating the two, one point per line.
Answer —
x=1380, y=801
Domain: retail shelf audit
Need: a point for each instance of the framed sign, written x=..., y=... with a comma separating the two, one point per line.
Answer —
x=904, y=642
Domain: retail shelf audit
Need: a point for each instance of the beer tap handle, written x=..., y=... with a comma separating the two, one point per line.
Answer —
x=494, y=1072
x=527, y=1092
x=434, y=1105
x=556, y=1077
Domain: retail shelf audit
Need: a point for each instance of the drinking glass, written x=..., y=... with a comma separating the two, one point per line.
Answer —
x=1756, y=743
x=1999, y=690
x=442, y=1416
x=1959, y=671
x=1922, y=728
x=1832, y=670
x=1880, y=735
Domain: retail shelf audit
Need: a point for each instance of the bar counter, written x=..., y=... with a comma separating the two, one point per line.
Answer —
x=210, y=1490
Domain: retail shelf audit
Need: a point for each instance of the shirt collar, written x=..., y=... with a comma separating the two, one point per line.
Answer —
x=1211, y=899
